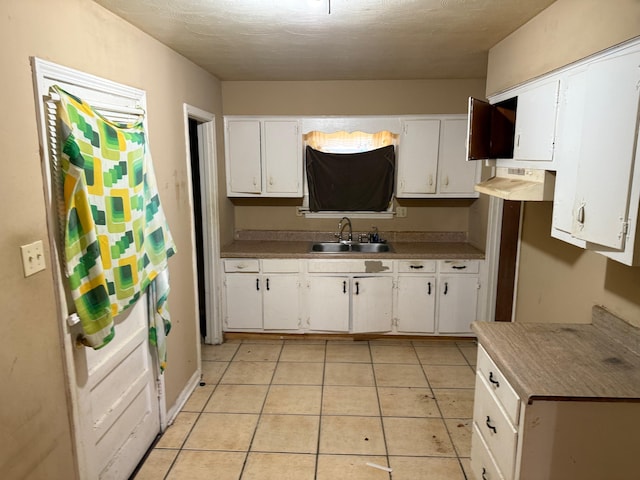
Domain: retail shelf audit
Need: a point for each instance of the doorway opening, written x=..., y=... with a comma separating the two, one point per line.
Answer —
x=200, y=132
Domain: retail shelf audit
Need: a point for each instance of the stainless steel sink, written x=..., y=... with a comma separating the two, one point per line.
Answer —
x=370, y=247
x=329, y=247
x=337, y=247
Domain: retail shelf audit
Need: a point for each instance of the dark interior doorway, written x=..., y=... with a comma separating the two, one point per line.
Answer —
x=197, y=215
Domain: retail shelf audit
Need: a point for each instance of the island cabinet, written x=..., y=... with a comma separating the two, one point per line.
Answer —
x=556, y=402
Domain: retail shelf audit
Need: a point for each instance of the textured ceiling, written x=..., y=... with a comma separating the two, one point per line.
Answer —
x=331, y=39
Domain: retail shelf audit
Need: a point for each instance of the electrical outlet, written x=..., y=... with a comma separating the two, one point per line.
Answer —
x=32, y=258
x=401, y=212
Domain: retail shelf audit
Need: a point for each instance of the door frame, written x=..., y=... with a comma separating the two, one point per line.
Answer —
x=211, y=236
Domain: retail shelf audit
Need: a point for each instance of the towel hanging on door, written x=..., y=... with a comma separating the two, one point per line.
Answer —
x=117, y=241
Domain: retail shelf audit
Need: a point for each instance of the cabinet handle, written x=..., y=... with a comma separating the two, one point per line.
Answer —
x=489, y=426
x=428, y=288
x=344, y=287
x=458, y=267
x=446, y=181
x=580, y=216
x=430, y=180
x=446, y=287
x=493, y=380
x=267, y=284
x=416, y=267
x=270, y=180
x=357, y=288
x=484, y=474
x=257, y=284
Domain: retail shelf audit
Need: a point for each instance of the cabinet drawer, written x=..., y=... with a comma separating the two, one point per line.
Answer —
x=504, y=393
x=459, y=266
x=251, y=265
x=350, y=266
x=417, y=266
x=482, y=464
x=280, y=266
x=495, y=427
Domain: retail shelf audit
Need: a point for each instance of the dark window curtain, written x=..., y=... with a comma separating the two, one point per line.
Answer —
x=350, y=181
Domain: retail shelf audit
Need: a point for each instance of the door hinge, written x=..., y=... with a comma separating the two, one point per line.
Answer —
x=625, y=228
x=160, y=387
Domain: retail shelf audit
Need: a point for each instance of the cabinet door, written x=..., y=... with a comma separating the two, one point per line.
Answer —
x=282, y=158
x=536, y=123
x=281, y=302
x=372, y=304
x=243, y=300
x=458, y=298
x=607, y=150
x=455, y=174
x=415, y=309
x=243, y=157
x=418, y=158
x=567, y=154
x=329, y=303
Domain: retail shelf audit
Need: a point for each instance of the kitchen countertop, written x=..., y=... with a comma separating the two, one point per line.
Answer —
x=302, y=249
x=599, y=361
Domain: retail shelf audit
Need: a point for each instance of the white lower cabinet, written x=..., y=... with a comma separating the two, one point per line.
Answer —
x=351, y=296
x=494, y=438
x=343, y=297
x=328, y=301
x=262, y=298
x=542, y=438
x=415, y=307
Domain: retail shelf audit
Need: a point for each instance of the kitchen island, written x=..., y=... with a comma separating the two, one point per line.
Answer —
x=557, y=401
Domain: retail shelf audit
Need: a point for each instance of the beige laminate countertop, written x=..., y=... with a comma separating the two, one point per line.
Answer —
x=302, y=249
x=585, y=362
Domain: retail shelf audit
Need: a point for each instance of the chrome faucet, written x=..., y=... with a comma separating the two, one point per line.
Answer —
x=341, y=226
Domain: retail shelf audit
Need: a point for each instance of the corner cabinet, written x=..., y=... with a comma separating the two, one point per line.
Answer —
x=431, y=160
x=263, y=157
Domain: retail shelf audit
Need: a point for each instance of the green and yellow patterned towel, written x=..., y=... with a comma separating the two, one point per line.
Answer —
x=117, y=241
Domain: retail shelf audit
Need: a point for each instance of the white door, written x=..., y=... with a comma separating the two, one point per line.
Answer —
x=418, y=157
x=415, y=310
x=115, y=409
x=281, y=302
x=607, y=154
x=329, y=303
x=372, y=304
x=282, y=158
x=243, y=301
x=117, y=398
x=458, y=300
x=456, y=174
x=242, y=144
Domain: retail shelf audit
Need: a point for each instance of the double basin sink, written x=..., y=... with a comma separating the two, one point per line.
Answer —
x=352, y=247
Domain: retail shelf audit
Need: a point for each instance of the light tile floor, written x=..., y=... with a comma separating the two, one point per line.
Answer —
x=324, y=410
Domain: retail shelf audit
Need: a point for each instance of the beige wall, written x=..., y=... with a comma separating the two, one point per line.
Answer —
x=558, y=282
x=35, y=436
x=352, y=98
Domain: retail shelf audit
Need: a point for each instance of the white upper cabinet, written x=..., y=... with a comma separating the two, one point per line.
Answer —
x=536, y=123
x=432, y=159
x=417, y=163
x=244, y=170
x=598, y=184
x=456, y=176
x=607, y=151
x=263, y=157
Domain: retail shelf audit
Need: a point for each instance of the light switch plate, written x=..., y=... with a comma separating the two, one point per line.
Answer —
x=32, y=258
